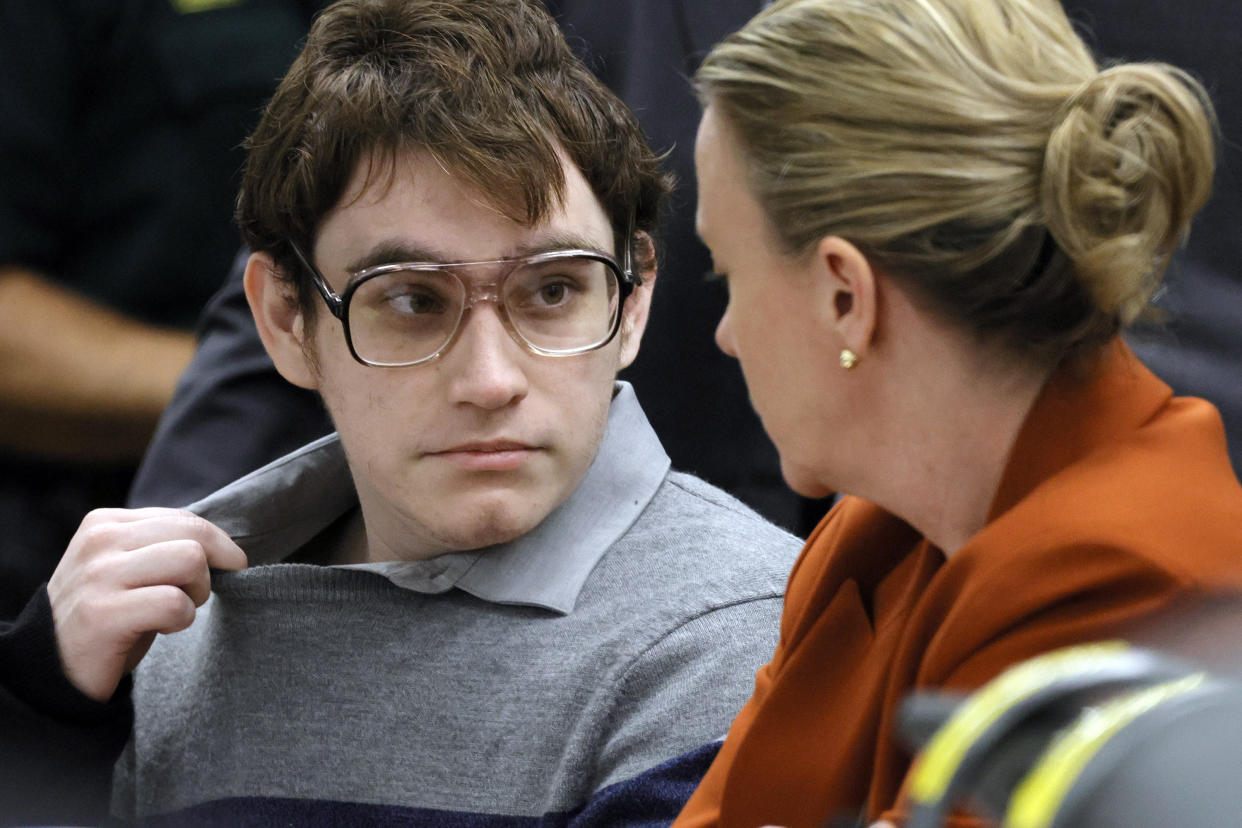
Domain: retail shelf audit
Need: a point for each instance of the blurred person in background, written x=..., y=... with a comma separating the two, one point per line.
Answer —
x=119, y=160
x=934, y=218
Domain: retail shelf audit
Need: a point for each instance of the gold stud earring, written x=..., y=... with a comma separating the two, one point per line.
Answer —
x=848, y=358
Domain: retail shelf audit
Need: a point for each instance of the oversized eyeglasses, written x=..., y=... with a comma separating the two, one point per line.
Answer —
x=558, y=303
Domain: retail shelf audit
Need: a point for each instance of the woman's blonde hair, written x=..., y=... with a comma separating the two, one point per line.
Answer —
x=975, y=151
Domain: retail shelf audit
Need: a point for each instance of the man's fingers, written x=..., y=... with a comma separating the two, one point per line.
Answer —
x=225, y=554
x=180, y=563
x=126, y=575
x=114, y=621
x=160, y=526
x=109, y=637
x=154, y=609
x=119, y=515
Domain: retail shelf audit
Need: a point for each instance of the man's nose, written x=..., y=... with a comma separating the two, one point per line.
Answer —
x=487, y=364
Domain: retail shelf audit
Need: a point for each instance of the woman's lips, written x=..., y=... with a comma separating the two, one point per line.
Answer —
x=496, y=455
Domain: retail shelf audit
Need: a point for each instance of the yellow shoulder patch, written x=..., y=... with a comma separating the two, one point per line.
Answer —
x=193, y=6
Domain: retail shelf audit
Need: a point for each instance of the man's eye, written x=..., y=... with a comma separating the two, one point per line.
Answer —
x=553, y=293
x=416, y=302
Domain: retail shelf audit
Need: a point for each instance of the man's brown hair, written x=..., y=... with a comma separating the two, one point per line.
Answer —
x=488, y=87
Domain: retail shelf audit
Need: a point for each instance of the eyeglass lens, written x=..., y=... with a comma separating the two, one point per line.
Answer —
x=559, y=306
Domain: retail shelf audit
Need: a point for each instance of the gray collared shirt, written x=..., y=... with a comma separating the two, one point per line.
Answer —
x=274, y=511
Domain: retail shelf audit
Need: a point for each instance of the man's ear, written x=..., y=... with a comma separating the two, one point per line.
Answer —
x=278, y=316
x=638, y=305
x=846, y=298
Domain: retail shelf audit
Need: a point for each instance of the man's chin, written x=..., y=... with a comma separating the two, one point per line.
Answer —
x=490, y=524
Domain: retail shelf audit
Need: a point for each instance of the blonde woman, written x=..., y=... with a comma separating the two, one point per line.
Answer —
x=933, y=218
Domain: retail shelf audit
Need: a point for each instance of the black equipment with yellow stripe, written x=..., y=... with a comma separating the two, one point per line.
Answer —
x=1102, y=735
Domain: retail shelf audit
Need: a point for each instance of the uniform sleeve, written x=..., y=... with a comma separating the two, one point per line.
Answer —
x=38, y=90
x=57, y=746
x=674, y=706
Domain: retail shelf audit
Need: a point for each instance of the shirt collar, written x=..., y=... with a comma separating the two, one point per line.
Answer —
x=275, y=510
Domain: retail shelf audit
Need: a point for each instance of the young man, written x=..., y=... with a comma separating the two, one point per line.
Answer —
x=488, y=600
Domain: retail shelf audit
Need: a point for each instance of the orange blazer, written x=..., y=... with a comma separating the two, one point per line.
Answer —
x=1117, y=499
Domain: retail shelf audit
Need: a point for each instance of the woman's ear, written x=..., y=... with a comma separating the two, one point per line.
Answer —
x=278, y=316
x=638, y=306
x=847, y=295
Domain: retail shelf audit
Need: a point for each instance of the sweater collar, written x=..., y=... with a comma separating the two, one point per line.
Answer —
x=274, y=511
x=1083, y=405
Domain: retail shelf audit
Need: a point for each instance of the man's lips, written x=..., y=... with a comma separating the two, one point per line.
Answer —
x=488, y=455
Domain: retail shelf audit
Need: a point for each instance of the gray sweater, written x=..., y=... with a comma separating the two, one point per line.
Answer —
x=332, y=695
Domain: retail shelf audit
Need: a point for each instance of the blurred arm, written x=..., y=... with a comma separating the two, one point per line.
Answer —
x=79, y=381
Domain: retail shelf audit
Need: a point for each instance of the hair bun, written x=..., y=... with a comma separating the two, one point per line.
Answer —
x=1129, y=164
x=933, y=134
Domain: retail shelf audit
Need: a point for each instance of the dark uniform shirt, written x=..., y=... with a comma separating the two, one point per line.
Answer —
x=120, y=130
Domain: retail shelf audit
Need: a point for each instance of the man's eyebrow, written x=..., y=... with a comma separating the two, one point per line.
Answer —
x=388, y=252
x=561, y=240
